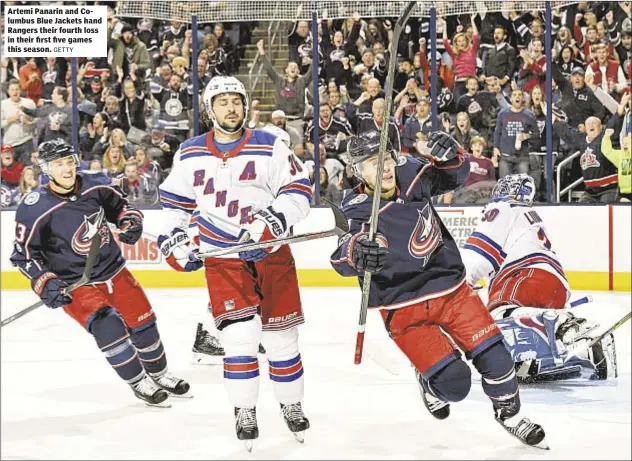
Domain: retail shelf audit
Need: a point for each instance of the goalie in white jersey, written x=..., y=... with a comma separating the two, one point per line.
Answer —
x=528, y=290
x=248, y=187
x=511, y=247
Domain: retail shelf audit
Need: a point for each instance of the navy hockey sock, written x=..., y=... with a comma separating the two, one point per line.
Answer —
x=111, y=335
x=499, y=378
x=150, y=349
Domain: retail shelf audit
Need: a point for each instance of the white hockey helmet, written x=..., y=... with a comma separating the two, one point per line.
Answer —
x=222, y=85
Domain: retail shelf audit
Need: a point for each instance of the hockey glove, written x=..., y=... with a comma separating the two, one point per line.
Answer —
x=441, y=148
x=267, y=225
x=179, y=252
x=49, y=288
x=131, y=227
x=367, y=255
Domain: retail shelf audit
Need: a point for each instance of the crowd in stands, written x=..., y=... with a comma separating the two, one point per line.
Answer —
x=135, y=105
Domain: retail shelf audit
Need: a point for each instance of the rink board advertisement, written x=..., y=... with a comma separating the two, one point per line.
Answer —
x=592, y=242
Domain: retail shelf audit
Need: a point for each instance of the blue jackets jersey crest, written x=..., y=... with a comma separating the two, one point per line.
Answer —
x=54, y=233
x=424, y=261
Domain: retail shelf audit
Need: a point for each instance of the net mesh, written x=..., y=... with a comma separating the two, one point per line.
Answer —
x=295, y=10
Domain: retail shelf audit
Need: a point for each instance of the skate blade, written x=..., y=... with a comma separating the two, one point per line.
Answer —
x=299, y=436
x=188, y=395
x=164, y=404
x=205, y=359
x=542, y=445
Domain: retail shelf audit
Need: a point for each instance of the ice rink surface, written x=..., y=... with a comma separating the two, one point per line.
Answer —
x=61, y=400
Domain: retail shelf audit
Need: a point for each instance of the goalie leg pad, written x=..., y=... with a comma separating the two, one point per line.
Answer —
x=151, y=352
x=499, y=378
x=285, y=364
x=241, y=366
x=452, y=383
x=112, y=337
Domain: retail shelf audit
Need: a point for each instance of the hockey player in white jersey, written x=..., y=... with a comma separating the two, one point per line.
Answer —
x=528, y=290
x=248, y=187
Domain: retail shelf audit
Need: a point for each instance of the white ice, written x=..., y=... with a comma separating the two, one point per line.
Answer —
x=61, y=400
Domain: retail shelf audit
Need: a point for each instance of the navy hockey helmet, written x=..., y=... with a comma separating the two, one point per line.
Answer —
x=54, y=150
x=364, y=146
x=520, y=187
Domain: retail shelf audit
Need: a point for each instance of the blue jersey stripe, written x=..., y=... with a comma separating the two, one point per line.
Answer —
x=194, y=154
x=484, y=254
x=491, y=242
x=261, y=153
x=300, y=192
x=179, y=198
x=169, y=205
x=215, y=230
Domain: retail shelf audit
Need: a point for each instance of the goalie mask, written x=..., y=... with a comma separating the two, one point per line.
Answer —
x=519, y=187
x=219, y=86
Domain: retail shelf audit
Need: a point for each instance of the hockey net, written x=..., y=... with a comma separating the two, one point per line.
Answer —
x=267, y=10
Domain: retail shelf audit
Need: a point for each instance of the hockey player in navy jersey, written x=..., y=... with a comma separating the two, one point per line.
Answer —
x=528, y=290
x=54, y=229
x=418, y=281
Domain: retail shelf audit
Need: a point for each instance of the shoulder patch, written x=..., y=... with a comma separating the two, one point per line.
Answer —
x=359, y=199
x=32, y=198
x=402, y=160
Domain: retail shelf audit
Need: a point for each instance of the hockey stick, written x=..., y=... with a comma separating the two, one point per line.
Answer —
x=85, y=278
x=390, y=78
x=585, y=347
x=341, y=227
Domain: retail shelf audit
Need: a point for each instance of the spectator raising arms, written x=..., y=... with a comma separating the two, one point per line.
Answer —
x=289, y=88
x=463, y=55
x=17, y=114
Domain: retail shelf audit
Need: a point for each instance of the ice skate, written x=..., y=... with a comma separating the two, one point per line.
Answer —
x=295, y=420
x=246, y=426
x=175, y=386
x=523, y=429
x=207, y=350
x=437, y=407
x=147, y=390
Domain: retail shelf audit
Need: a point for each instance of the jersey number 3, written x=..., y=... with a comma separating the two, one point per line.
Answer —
x=20, y=232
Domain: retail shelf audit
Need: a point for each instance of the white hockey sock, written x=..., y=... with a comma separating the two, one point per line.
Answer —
x=285, y=365
x=241, y=366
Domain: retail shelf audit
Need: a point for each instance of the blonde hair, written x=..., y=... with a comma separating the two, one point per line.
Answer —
x=122, y=134
x=24, y=189
x=468, y=42
x=478, y=140
x=107, y=163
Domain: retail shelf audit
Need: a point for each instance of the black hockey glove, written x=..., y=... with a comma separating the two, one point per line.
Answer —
x=131, y=227
x=443, y=147
x=49, y=288
x=367, y=255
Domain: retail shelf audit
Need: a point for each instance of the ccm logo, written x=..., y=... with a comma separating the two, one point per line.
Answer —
x=484, y=332
x=283, y=319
